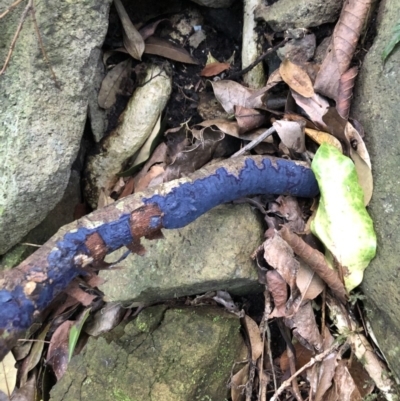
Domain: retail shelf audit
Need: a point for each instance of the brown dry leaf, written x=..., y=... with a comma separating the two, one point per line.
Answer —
x=149, y=29
x=344, y=388
x=57, y=354
x=361, y=377
x=321, y=137
x=213, y=69
x=291, y=134
x=143, y=183
x=279, y=255
x=27, y=392
x=194, y=156
x=326, y=369
x=81, y=296
x=341, y=49
x=305, y=328
x=308, y=282
x=336, y=126
x=357, y=143
x=34, y=356
x=158, y=156
x=297, y=79
x=112, y=82
x=303, y=356
x=278, y=288
x=231, y=94
x=248, y=119
x=315, y=106
x=316, y=261
x=238, y=383
x=345, y=92
x=254, y=335
x=228, y=127
x=364, y=175
x=129, y=188
x=133, y=40
x=288, y=208
x=163, y=48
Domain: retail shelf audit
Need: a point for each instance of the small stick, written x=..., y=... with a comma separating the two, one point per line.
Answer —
x=46, y=59
x=254, y=142
x=10, y=8
x=258, y=60
x=318, y=358
x=17, y=32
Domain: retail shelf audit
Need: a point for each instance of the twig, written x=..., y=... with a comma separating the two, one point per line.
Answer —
x=10, y=8
x=254, y=142
x=17, y=32
x=318, y=358
x=258, y=60
x=46, y=59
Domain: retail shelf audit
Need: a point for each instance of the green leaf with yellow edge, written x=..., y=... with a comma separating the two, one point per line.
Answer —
x=342, y=223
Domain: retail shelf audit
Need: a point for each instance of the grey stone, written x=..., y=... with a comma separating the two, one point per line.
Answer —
x=286, y=14
x=181, y=354
x=376, y=106
x=212, y=253
x=40, y=125
x=62, y=214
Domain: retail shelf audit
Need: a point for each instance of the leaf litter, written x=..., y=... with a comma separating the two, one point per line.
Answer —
x=306, y=290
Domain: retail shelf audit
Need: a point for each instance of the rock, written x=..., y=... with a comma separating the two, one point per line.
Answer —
x=62, y=214
x=286, y=14
x=136, y=124
x=211, y=253
x=375, y=106
x=181, y=354
x=40, y=125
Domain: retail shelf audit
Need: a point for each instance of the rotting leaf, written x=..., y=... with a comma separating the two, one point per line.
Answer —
x=147, y=180
x=336, y=126
x=163, y=48
x=279, y=255
x=316, y=261
x=57, y=354
x=8, y=374
x=35, y=354
x=111, y=85
x=253, y=333
x=238, y=383
x=305, y=328
x=303, y=356
x=133, y=40
x=342, y=222
x=364, y=175
x=291, y=134
x=195, y=156
x=288, y=208
x=278, y=288
x=308, y=282
x=231, y=94
x=315, y=106
x=248, y=119
x=228, y=127
x=357, y=143
x=296, y=78
x=327, y=367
